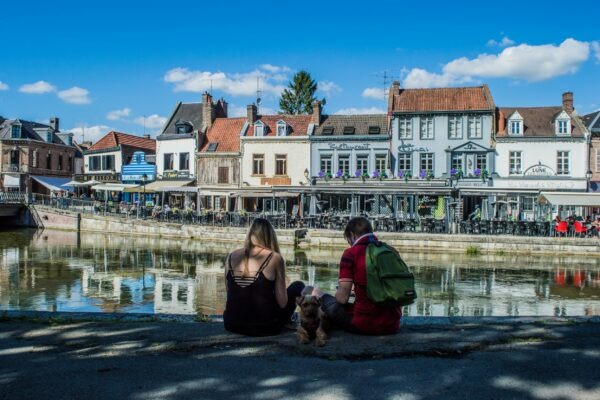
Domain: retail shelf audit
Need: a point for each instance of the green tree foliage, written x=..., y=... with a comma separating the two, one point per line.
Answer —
x=299, y=95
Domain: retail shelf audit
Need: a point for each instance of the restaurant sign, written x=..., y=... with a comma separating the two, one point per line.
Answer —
x=411, y=148
x=137, y=177
x=346, y=146
x=539, y=170
x=176, y=174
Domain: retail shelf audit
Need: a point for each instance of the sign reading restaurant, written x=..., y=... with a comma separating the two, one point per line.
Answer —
x=346, y=146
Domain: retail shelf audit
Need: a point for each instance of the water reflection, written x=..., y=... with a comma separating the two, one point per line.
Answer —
x=52, y=270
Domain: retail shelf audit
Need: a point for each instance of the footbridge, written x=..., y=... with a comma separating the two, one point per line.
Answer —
x=11, y=204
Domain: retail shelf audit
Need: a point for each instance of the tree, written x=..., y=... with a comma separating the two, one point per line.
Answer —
x=299, y=95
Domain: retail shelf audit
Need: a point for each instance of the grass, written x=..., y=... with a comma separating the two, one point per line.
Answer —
x=473, y=251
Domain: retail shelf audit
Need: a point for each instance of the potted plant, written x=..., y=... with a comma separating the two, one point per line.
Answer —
x=484, y=175
x=429, y=175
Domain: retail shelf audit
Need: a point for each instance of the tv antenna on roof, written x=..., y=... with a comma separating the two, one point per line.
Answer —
x=258, y=99
x=387, y=77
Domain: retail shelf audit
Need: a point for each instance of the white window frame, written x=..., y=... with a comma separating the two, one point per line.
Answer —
x=326, y=158
x=517, y=157
x=405, y=158
x=378, y=158
x=405, y=128
x=430, y=156
x=344, y=157
x=455, y=123
x=362, y=159
x=259, y=129
x=474, y=127
x=563, y=157
x=563, y=127
x=515, y=123
x=281, y=125
x=481, y=161
x=457, y=161
x=426, y=126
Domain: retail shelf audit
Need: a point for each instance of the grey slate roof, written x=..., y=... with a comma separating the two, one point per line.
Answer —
x=592, y=121
x=537, y=121
x=27, y=130
x=361, y=124
x=189, y=112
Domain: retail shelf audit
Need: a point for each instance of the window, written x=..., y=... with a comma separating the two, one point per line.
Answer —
x=184, y=161
x=15, y=160
x=456, y=162
x=108, y=163
x=374, y=130
x=60, y=162
x=563, y=127
x=515, y=127
x=597, y=160
x=514, y=162
x=328, y=130
x=281, y=164
x=36, y=157
x=455, y=127
x=481, y=161
x=427, y=162
x=426, y=127
x=562, y=163
x=527, y=203
x=405, y=128
x=344, y=164
x=474, y=127
x=212, y=147
x=381, y=162
x=258, y=164
x=223, y=176
x=69, y=166
x=362, y=163
x=49, y=161
x=15, y=132
x=169, y=161
x=405, y=162
x=259, y=129
x=94, y=163
x=49, y=136
x=326, y=164
x=348, y=130
x=282, y=128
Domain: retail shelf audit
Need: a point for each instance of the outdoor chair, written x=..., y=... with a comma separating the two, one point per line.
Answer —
x=579, y=229
x=561, y=228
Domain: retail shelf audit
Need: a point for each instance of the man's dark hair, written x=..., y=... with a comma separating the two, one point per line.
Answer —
x=358, y=226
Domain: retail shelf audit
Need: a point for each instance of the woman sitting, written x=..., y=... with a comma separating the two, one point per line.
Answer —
x=258, y=303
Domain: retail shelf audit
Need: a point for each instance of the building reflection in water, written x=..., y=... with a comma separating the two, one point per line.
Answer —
x=45, y=270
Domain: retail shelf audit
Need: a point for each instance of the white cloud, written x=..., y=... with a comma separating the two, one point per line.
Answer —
x=116, y=115
x=328, y=87
x=596, y=49
x=504, y=42
x=234, y=84
x=376, y=93
x=531, y=63
x=3, y=86
x=153, y=121
x=274, y=68
x=75, y=95
x=360, y=111
x=39, y=87
x=90, y=133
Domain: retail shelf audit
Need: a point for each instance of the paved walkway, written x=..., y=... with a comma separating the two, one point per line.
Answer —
x=93, y=356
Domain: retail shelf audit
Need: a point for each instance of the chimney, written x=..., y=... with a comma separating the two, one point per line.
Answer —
x=146, y=136
x=394, y=90
x=208, y=110
x=567, y=102
x=221, y=108
x=316, y=113
x=501, y=121
x=251, y=112
x=54, y=123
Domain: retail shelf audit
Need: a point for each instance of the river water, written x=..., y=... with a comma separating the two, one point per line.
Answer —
x=63, y=271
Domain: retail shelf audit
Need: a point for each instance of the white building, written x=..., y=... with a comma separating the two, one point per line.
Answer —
x=539, y=149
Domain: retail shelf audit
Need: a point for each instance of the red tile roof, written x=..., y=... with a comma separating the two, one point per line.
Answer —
x=298, y=124
x=474, y=98
x=225, y=132
x=114, y=139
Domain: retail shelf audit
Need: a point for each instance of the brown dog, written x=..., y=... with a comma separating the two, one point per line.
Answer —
x=313, y=321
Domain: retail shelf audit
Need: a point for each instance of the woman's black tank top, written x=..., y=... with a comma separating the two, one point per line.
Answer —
x=251, y=307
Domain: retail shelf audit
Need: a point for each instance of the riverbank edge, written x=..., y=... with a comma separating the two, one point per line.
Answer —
x=50, y=218
x=188, y=334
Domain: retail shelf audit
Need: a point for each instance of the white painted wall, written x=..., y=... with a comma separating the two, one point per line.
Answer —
x=341, y=146
x=297, y=149
x=118, y=162
x=176, y=146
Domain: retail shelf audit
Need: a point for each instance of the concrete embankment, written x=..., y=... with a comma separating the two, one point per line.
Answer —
x=321, y=239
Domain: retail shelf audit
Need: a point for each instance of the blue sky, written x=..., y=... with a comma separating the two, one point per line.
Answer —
x=122, y=65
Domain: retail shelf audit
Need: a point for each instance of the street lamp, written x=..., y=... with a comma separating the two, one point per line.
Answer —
x=144, y=178
x=588, y=178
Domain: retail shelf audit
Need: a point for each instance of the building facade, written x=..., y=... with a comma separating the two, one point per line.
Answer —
x=592, y=123
x=35, y=157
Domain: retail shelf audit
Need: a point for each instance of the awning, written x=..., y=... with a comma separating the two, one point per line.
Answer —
x=13, y=181
x=74, y=184
x=572, y=199
x=161, y=186
x=268, y=194
x=53, y=183
x=114, y=187
x=91, y=182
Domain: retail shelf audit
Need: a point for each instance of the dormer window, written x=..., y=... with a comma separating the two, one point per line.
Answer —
x=183, y=127
x=282, y=128
x=515, y=124
x=563, y=124
x=49, y=136
x=15, y=132
x=348, y=130
x=259, y=129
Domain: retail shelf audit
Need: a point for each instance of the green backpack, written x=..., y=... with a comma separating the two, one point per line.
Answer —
x=389, y=281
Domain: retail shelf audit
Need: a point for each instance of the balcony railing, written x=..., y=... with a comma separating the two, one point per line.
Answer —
x=12, y=168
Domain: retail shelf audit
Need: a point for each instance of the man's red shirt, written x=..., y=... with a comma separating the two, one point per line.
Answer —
x=366, y=315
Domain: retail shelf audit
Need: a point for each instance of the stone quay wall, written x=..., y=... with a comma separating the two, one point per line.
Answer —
x=321, y=239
